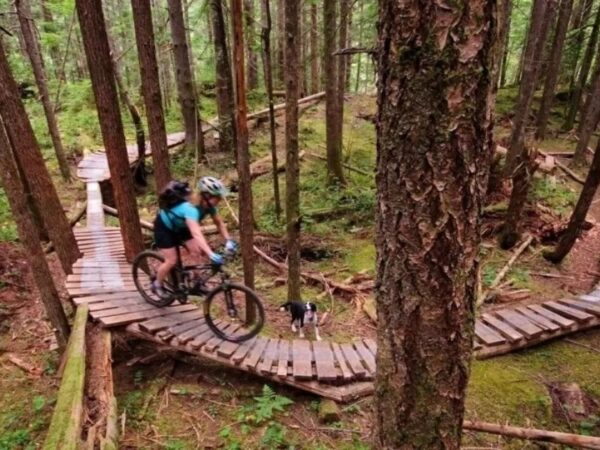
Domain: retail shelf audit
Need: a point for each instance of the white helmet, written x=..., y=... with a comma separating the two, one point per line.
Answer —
x=212, y=186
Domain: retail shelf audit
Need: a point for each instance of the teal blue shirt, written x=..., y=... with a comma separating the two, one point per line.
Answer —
x=174, y=219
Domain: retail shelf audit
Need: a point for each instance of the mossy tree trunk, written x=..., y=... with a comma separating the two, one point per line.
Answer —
x=434, y=149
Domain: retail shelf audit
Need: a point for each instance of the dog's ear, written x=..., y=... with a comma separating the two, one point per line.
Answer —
x=312, y=307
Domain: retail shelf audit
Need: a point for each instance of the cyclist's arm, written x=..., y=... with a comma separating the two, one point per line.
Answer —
x=221, y=226
x=197, y=234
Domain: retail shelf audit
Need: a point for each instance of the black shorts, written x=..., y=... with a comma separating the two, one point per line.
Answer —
x=166, y=238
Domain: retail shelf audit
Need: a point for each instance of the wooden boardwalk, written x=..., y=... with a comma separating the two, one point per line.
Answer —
x=102, y=279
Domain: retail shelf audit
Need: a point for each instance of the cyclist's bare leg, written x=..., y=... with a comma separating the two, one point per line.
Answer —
x=170, y=255
x=195, y=251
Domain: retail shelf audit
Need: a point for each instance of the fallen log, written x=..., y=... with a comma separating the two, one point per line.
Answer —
x=64, y=432
x=565, y=169
x=347, y=166
x=258, y=168
x=534, y=434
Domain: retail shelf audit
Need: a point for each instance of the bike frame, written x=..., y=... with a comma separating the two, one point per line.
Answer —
x=179, y=270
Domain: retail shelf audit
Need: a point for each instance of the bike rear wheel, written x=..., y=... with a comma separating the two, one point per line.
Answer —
x=145, y=266
x=226, y=312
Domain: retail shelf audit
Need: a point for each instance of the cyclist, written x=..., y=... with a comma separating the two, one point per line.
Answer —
x=178, y=221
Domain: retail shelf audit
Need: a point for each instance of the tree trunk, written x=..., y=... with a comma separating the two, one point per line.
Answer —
x=29, y=155
x=583, y=74
x=224, y=81
x=335, y=172
x=280, y=40
x=566, y=7
x=29, y=238
x=194, y=138
x=567, y=240
x=342, y=68
x=144, y=36
x=576, y=39
x=95, y=41
x=243, y=155
x=314, y=50
x=50, y=27
x=37, y=63
x=360, y=43
x=435, y=114
x=252, y=81
x=589, y=122
x=533, y=50
x=292, y=171
x=266, y=38
x=506, y=40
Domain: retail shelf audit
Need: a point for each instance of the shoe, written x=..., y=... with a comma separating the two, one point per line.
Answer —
x=158, y=290
x=199, y=288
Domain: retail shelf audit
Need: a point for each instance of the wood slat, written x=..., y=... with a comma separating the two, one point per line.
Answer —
x=519, y=323
x=214, y=343
x=99, y=306
x=227, y=349
x=301, y=359
x=371, y=345
x=283, y=359
x=581, y=305
x=367, y=357
x=505, y=330
x=242, y=351
x=107, y=298
x=567, y=311
x=190, y=335
x=202, y=339
x=324, y=361
x=186, y=325
x=270, y=356
x=89, y=292
x=487, y=335
x=353, y=360
x=540, y=320
x=590, y=298
x=161, y=323
x=342, y=364
x=140, y=307
x=557, y=318
x=135, y=317
x=255, y=353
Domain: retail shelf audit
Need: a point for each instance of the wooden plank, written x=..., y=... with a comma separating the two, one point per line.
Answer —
x=353, y=360
x=324, y=361
x=214, y=342
x=191, y=334
x=301, y=359
x=100, y=315
x=242, y=351
x=227, y=348
x=557, y=318
x=581, y=305
x=135, y=317
x=88, y=292
x=202, y=339
x=590, y=298
x=187, y=324
x=283, y=359
x=505, y=330
x=542, y=322
x=371, y=345
x=342, y=364
x=154, y=325
x=519, y=323
x=99, y=306
x=487, y=335
x=255, y=353
x=366, y=356
x=106, y=298
x=567, y=311
x=270, y=356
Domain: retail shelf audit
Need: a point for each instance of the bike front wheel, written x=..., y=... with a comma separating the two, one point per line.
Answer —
x=234, y=312
x=145, y=266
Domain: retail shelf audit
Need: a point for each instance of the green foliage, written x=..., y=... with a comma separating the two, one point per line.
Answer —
x=274, y=436
x=264, y=407
x=557, y=195
x=8, y=228
x=20, y=438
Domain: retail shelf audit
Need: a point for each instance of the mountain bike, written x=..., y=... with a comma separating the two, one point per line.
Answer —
x=231, y=310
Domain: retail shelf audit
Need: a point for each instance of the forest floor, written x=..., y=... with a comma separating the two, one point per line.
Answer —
x=171, y=402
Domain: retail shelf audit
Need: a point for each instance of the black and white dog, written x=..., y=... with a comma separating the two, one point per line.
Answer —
x=302, y=313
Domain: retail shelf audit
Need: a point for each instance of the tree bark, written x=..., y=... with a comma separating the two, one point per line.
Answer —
x=268, y=75
x=224, y=81
x=342, y=68
x=335, y=172
x=252, y=77
x=576, y=39
x=280, y=40
x=533, y=50
x=97, y=51
x=144, y=36
x=50, y=27
x=29, y=239
x=506, y=41
x=194, y=138
x=566, y=7
x=434, y=148
x=583, y=74
x=567, y=240
x=29, y=155
x=589, y=122
x=37, y=63
x=243, y=155
x=314, y=51
x=292, y=172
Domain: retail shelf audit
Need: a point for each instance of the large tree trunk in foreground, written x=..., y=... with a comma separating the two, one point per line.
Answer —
x=292, y=172
x=243, y=155
x=97, y=51
x=37, y=63
x=29, y=156
x=566, y=7
x=194, y=138
x=144, y=36
x=434, y=148
x=268, y=75
x=531, y=64
x=28, y=236
x=335, y=172
x=224, y=80
x=575, y=226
